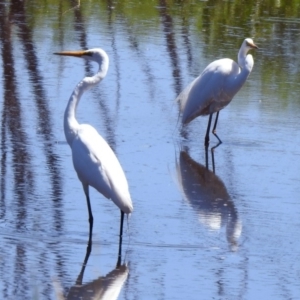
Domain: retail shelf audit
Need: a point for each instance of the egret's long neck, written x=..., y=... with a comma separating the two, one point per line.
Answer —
x=246, y=64
x=71, y=125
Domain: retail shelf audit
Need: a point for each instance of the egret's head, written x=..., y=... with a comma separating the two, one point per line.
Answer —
x=97, y=55
x=248, y=44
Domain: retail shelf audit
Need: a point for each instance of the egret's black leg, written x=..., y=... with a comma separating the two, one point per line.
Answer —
x=206, y=157
x=121, y=235
x=207, y=131
x=91, y=219
x=215, y=127
x=216, y=121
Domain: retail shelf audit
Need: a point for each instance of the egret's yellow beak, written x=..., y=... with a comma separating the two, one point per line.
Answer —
x=71, y=53
x=252, y=45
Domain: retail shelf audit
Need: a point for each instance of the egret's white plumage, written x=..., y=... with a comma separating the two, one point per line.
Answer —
x=94, y=161
x=97, y=166
x=215, y=87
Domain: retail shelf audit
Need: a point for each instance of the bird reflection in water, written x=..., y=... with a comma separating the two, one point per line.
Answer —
x=105, y=287
x=207, y=194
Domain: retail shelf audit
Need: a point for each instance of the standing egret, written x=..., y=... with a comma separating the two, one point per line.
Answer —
x=215, y=87
x=93, y=159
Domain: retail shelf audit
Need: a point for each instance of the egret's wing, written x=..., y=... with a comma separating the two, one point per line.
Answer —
x=183, y=97
x=97, y=165
x=209, y=92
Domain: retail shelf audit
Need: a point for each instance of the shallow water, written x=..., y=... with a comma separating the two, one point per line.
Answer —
x=197, y=232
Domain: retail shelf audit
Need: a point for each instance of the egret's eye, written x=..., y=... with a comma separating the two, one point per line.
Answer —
x=88, y=53
x=250, y=44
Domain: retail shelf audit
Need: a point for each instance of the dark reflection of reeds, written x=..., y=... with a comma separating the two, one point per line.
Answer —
x=207, y=194
x=13, y=134
x=144, y=61
x=14, y=144
x=167, y=23
x=44, y=123
x=186, y=41
x=44, y=116
x=79, y=27
x=140, y=55
x=116, y=57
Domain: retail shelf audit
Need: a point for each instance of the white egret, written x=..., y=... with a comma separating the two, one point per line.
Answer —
x=93, y=159
x=215, y=87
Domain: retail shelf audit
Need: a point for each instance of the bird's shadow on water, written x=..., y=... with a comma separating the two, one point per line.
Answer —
x=208, y=196
x=103, y=287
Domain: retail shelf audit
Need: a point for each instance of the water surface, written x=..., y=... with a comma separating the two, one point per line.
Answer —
x=197, y=232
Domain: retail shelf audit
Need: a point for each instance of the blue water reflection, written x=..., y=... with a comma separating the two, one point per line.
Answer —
x=155, y=49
